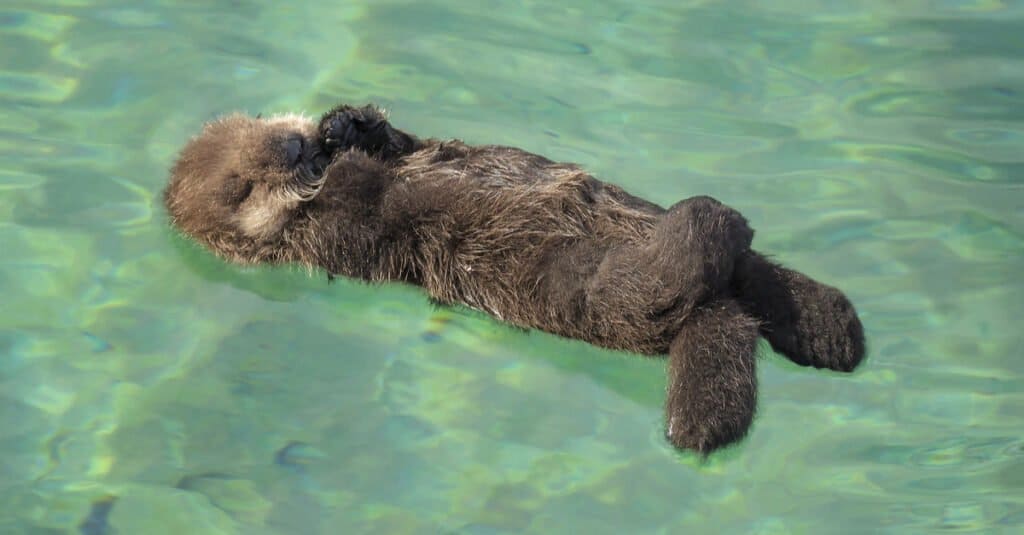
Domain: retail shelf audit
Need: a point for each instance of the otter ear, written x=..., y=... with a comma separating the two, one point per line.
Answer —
x=263, y=214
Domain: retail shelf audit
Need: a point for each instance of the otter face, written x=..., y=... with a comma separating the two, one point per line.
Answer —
x=238, y=183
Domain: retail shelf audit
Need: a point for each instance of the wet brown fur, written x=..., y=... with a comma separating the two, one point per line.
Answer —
x=535, y=243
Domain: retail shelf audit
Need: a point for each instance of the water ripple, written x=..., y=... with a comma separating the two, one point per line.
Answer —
x=873, y=144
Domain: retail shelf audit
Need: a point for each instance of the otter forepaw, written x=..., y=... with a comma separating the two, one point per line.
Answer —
x=345, y=126
x=366, y=129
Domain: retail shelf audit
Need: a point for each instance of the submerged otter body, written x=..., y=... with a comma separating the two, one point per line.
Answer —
x=532, y=242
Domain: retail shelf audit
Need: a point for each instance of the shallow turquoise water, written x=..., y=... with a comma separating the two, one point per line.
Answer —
x=145, y=387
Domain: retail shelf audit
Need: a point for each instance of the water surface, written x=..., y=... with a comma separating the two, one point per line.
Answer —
x=146, y=387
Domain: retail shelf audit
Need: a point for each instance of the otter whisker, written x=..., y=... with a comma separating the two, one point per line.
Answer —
x=309, y=196
x=307, y=176
x=305, y=189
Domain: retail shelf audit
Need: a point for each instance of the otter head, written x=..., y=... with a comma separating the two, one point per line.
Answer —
x=237, y=185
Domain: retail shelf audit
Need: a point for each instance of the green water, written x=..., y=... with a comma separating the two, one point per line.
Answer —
x=147, y=388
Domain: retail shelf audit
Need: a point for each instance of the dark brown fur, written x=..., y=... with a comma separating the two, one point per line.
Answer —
x=532, y=242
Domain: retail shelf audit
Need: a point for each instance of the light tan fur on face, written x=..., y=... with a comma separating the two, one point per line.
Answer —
x=263, y=215
x=266, y=211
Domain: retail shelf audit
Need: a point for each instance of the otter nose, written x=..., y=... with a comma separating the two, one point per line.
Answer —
x=293, y=150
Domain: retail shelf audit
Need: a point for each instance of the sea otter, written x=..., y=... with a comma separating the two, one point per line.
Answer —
x=532, y=242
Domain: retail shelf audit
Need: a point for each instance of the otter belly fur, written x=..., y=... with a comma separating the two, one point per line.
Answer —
x=533, y=242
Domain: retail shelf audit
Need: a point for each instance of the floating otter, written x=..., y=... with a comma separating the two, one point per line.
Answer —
x=534, y=243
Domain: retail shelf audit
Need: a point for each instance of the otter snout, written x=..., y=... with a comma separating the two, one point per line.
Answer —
x=293, y=150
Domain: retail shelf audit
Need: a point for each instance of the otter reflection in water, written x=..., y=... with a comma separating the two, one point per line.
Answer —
x=533, y=242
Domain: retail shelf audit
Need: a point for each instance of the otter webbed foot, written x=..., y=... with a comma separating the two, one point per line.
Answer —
x=365, y=128
x=695, y=246
x=811, y=323
x=712, y=378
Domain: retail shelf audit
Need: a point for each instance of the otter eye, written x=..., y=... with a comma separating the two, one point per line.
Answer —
x=293, y=149
x=245, y=191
